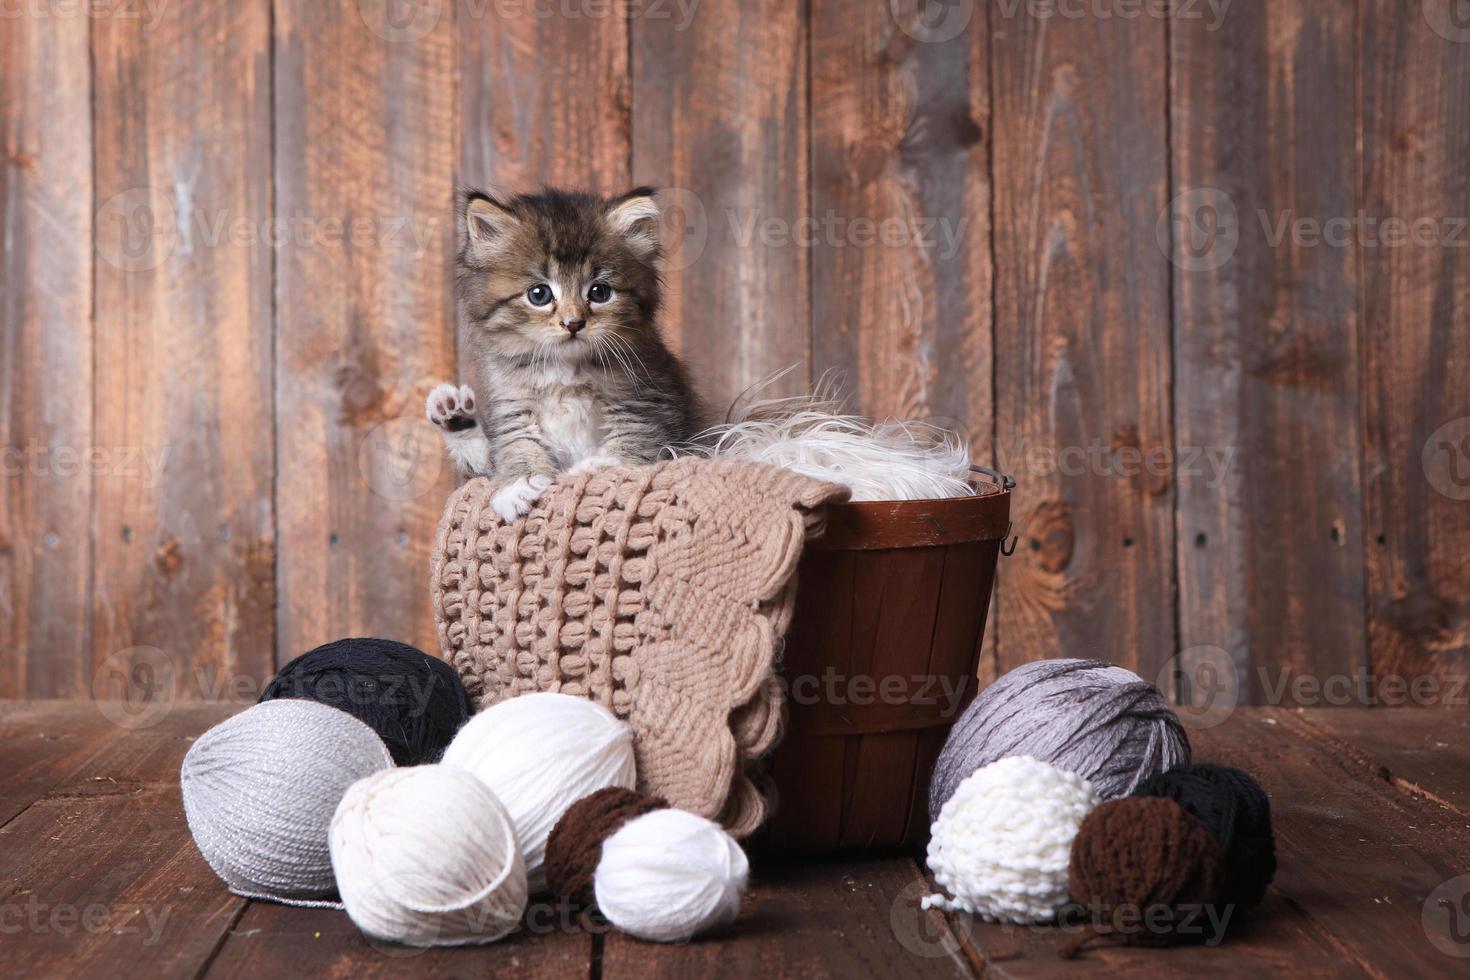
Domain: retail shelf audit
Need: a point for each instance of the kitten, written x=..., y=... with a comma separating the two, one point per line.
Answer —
x=558, y=296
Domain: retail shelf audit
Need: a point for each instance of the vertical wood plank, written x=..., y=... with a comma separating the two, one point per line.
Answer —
x=45, y=355
x=543, y=96
x=1082, y=336
x=365, y=147
x=1266, y=352
x=720, y=126
x=901, y=275
x=1416, y=346
x=185, y=541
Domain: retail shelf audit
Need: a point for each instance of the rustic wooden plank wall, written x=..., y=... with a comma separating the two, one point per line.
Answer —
x=1148, y=264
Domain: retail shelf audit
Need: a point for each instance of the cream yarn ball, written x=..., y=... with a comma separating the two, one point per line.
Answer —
x=259, y=791
x=540, y=753
x=427, y=856
x=670, y=875
x=1003, y=840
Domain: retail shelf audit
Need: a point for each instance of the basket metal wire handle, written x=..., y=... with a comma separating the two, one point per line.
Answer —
x=1007, y=483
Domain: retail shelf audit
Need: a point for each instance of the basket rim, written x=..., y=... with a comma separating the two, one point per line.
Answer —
x=879, y=524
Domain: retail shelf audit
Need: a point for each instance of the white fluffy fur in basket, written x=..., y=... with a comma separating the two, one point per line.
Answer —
x=813, y=435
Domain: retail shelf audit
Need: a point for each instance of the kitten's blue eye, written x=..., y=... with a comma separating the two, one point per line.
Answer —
x=539, y=294
x=600, y=292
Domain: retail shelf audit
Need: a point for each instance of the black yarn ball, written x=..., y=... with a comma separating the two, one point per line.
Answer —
x=414, y=702
x=1235, y=810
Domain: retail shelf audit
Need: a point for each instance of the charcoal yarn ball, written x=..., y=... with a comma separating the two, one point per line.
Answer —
x=1098, y=720
x=259, y=793
x=1146, y=858
x=414, y=702
x=1235, y=810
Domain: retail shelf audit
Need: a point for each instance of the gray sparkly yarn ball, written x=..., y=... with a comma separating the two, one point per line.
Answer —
x=260, y=790
x=1098, y=720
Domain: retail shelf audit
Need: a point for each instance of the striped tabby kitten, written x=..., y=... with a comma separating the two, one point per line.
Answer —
x=558, y=295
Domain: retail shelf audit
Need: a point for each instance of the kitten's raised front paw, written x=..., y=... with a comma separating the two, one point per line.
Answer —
x=515, y=498
x=594, y=463
x=451, y=409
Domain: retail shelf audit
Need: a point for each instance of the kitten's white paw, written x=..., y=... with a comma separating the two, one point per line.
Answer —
x=451, y=409
x=594, y=463
x=515, y=499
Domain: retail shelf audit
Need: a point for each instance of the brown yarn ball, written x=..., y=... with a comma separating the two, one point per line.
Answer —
x=575, y=845
x=1145, y=858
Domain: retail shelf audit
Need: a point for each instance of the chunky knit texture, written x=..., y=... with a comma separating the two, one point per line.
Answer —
x=1143, y=856
x=659, y=591
x=1002, y=842
x=1235, y=810
x=575, y=845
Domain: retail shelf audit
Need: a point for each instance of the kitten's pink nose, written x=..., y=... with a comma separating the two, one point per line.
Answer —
x=574, y=325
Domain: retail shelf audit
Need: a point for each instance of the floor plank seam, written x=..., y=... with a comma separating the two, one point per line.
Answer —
x=1329, y=937
x=224, y=937
x=1376, y=770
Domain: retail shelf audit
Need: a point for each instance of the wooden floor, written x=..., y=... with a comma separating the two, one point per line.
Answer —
x=98, y=876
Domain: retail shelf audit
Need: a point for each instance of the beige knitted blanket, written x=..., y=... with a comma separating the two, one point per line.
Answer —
x=660, y=591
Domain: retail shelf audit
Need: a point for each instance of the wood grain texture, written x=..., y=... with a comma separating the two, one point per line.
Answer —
x=901, y=274
x=720, y=110
x=544, y=96
x=183, y=596
x=364, y=153
x=1270, y=539
x=1416, y=345
x=814, y=920
x=1082, y=337
x=45, y=355
x=98, y=876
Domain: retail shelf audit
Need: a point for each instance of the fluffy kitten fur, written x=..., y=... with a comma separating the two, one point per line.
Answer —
x=558, y=295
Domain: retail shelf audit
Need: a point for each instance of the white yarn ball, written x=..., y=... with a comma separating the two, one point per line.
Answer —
x=427, y=856
x=259, y=791
x=540, y=753
x=1002, y=842
x=670, y=875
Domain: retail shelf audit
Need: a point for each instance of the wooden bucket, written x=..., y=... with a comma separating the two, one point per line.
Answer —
x=881, y=658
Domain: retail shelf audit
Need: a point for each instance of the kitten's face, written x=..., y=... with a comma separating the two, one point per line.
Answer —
x=559, y=276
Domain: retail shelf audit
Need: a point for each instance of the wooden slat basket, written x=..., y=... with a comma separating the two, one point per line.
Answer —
x=881, y=657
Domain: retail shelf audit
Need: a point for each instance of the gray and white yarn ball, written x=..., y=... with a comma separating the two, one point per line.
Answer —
x=260, y=790
x=1099, y=720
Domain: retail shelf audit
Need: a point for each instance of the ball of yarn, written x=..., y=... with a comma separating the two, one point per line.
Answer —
x=260, y=789
x=427, y=856
x=414, y=702
x=657, y=873
x=575, y=844
x=1101, y=721
x=1002, y=842
x=1146, y=858
x=1235, y=810
x=540, y=753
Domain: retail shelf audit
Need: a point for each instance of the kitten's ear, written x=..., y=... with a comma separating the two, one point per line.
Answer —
x=635, y=216
x=487, y=223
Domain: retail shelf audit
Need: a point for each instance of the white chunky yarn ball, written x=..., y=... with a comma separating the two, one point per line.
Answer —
x=670, y=875
x=259, y=792
x=1002, y=842
x=427, y=856
x=540, y=753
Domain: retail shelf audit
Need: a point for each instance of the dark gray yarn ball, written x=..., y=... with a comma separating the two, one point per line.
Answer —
x=1099, y=720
